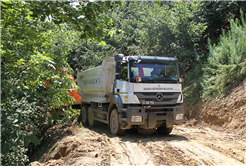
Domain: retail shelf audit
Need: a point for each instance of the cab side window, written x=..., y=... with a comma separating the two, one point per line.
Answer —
x=123, y=72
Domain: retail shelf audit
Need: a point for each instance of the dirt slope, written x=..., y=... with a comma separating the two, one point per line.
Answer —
x=187, y=145
x=228, y=112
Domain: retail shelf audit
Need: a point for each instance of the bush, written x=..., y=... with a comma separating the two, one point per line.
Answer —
x=192, y=87
x=227, y=61
x=16, y=156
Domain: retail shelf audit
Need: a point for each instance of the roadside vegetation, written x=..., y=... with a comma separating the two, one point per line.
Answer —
x=38, y=39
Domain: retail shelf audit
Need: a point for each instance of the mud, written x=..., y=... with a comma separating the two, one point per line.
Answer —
x=186, y=145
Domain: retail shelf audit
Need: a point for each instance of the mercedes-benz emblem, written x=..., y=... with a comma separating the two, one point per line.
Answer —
x=159, y=96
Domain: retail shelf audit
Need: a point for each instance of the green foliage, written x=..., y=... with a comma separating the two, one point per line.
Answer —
x=15, y=156
x=145, y=28
x=84, y=16
x=192, y=87
x=88, y=54
x=39, y=38
x=173, y=31
x=227, y=60
x=34, y=45
x=217, y=15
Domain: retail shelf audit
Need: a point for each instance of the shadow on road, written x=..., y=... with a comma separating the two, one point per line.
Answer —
x=133, y=136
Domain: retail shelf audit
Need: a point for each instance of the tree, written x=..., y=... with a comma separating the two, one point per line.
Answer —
x=218, y=13
x=226, y=60
x=34, y=44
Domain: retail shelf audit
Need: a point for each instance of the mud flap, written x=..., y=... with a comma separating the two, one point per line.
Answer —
x=151, y=121
x=169, y=120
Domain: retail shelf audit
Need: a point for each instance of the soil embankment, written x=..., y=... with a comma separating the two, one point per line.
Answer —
x=226, y=113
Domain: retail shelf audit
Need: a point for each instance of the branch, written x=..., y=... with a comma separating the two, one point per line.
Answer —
x=14, y=62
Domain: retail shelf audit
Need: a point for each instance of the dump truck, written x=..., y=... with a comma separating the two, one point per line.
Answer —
x=125, y=92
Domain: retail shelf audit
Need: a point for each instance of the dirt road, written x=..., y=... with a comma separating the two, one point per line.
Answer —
x=186, y=145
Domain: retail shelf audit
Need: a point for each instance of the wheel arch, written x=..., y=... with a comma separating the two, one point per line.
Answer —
x=116, y=103
x=111, y=107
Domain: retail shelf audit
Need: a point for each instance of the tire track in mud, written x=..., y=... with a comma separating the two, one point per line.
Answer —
x=136, y=155
x=121, y=157
x=179, y=150
x=222, y=145
x=128, y=152
x=162, y=153
x=203, y=155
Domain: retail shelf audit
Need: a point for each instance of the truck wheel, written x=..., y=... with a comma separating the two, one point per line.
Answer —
x=114, y=123
x=91, y=120
x=164, y=130
x=84, y=114
x=146, y=131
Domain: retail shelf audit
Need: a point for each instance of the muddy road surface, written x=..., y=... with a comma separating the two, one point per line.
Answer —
x=186, y=145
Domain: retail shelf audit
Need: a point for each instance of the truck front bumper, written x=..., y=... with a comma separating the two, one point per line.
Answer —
x=152, y=117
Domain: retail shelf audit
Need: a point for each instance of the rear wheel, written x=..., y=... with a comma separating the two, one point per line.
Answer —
x=91, y=120
x=164, y=130
x=146, y=131
x=84, y=114
x=114, y=123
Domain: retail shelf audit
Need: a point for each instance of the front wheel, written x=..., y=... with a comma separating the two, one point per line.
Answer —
x=114, y=124
x=164, y=130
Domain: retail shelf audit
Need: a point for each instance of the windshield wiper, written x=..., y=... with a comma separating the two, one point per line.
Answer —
x=147, y=80
x=151, y=81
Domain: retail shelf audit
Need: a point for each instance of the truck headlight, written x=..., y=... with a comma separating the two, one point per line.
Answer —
x=136, y=118
x=179, y=117
x=142, y=102
x=151, y=102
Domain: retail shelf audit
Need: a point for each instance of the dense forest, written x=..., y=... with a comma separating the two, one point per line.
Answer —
x=39, y=38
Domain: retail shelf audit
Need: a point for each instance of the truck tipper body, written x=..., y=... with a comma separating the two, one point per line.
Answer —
x=125, y=92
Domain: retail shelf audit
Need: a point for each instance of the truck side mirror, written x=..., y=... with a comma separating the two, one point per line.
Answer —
x=117, y=76
x=118, y=67
x=118, y=57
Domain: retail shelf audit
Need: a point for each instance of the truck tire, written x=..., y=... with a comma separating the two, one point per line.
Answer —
x=114, y=123
x=84, y=115
x=91, y=120
x=146, y=131
x=164, y=130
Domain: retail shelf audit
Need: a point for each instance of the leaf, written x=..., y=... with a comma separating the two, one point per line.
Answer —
x=119, y=2
x=12, y=143
x=43, y=18
x=111, y=21
x=158, y=3
x=16, y=120
x=102, y=43
x=107, y=4
x=5, y=148
x=83, y=36
x=46, y=58
x=26, y=141
x=34, y=140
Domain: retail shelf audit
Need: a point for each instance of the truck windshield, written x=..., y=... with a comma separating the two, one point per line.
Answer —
x=155, y=72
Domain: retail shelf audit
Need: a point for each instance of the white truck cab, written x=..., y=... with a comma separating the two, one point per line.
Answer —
x=142, y=92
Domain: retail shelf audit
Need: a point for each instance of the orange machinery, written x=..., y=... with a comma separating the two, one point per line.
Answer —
x=71, y=92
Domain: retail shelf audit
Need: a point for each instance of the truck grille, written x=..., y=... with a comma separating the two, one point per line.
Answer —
x=158, y=98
